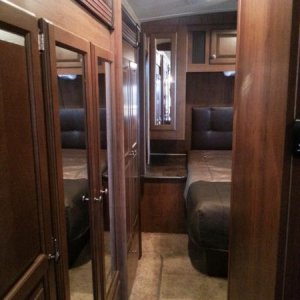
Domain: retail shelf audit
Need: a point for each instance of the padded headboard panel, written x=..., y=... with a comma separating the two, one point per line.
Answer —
x=212, y=128
x=72, y=126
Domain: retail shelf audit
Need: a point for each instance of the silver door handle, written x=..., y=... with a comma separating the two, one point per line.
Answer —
x=84, y=198
x=99, y=199
x=104, y=192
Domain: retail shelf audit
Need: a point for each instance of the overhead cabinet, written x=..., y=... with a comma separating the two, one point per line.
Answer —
x=101, y=9
x=211, y=50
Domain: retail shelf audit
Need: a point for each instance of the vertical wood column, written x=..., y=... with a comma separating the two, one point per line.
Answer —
x=118, y=183
x=258, y=207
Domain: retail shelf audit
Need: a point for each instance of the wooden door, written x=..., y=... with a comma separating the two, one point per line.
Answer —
x=25, y=222
x=261, y=154
x=71, y=139
x=105, y=249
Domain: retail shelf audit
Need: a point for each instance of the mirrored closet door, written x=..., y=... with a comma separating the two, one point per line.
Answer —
x=76, y=160
x=101, y=74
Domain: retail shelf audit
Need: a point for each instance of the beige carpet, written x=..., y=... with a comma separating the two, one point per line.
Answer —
x=165, y=272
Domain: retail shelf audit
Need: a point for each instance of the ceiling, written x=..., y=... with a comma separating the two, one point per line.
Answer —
x=147, y=10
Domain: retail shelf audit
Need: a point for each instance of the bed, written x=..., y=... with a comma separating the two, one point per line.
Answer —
x=75, y=176
x=207, y=191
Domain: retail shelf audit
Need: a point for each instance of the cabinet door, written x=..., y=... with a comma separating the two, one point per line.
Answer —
x=223, y=47
x=104, y=204
x=71, y=138
x=25, y=223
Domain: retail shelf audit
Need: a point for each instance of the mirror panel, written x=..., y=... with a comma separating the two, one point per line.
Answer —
x=104, y=97
x=163, y=82
x=72, y=113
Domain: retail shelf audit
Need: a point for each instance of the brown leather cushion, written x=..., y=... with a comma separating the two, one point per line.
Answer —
x=212, y=128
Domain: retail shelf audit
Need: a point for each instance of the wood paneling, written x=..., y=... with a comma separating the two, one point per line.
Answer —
x=70, y=16
x=258, y=204
x=209, y=89
x=162, y=206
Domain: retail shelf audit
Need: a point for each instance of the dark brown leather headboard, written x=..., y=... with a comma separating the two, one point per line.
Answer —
x=72, y=125
x=212, y=128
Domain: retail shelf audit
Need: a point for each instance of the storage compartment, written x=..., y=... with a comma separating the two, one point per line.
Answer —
x=211, y=50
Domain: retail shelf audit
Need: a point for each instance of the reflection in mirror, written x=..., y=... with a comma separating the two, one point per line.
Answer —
x=75, y=174
x=108, y=239
x=163, y=82
x=12, y=38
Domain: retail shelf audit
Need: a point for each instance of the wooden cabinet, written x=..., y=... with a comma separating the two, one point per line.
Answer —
x=211, y=50
x=162, y=205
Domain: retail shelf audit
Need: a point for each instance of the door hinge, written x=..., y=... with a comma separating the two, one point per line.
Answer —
x=55, y=255
x=41, y=41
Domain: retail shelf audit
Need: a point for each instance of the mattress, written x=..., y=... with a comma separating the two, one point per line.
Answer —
x=208, y=166
x=75, y=163
x=75, y=175
x=208, y=206
x=207, y=195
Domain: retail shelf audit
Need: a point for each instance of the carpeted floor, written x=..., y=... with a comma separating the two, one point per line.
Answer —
x=165, y=272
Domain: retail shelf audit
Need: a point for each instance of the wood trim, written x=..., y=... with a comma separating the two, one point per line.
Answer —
x=210, y=68
x=102, y=53
x=70, y=41
x=24, y=286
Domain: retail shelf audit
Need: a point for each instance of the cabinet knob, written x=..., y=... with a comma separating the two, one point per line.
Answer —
x=104, y=192
x=84, y=198
x=213, y=56
x=98, y=199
